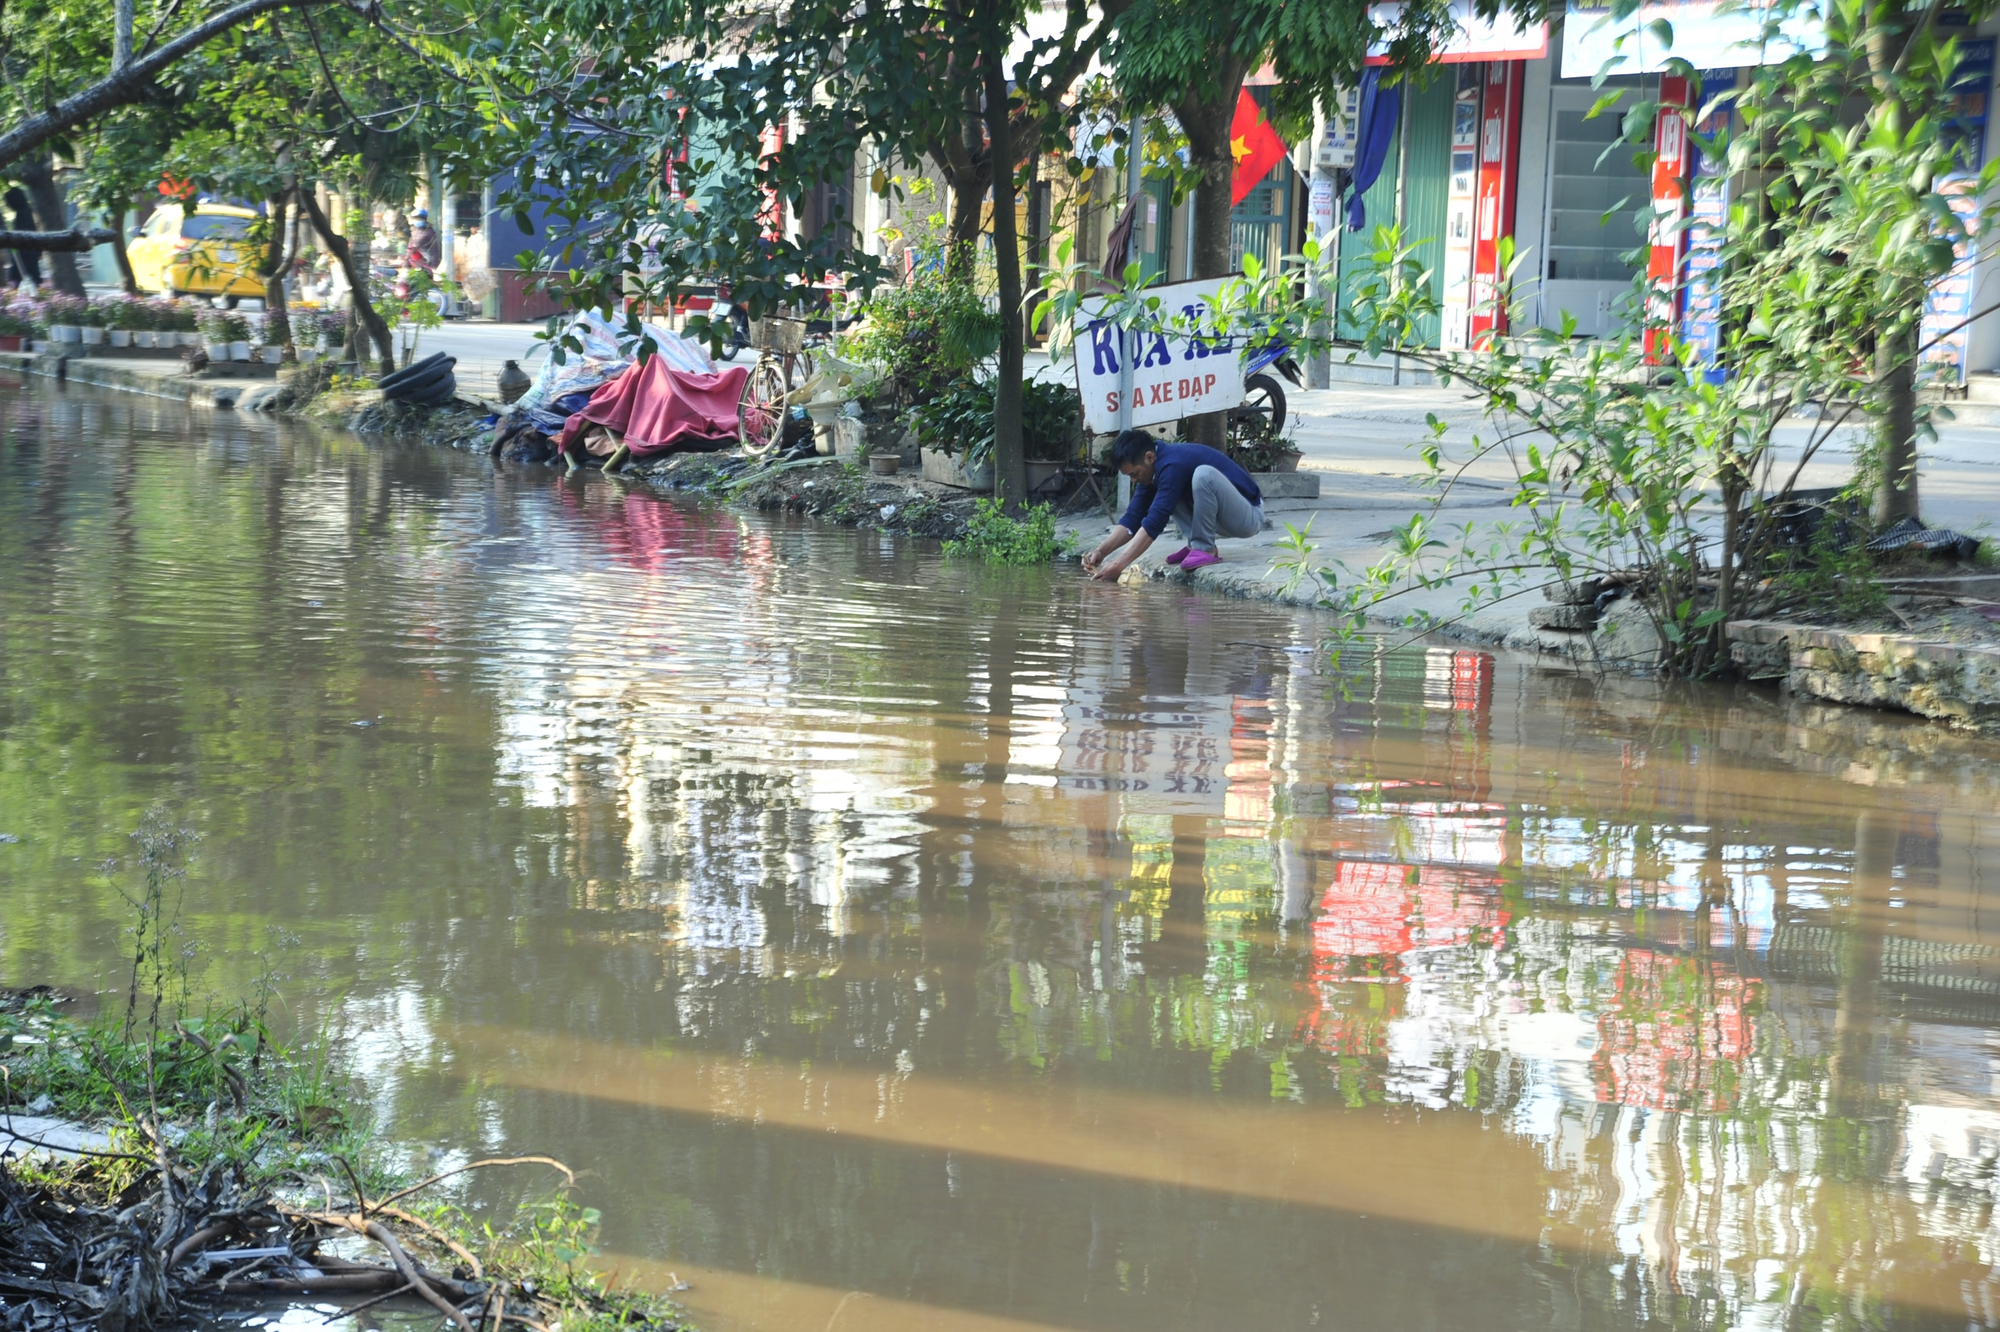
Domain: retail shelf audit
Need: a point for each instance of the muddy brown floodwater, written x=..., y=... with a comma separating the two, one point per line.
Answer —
x=908, y=945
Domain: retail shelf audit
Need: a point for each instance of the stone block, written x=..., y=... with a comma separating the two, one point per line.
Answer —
x=1564, y=619
x=1287, y=485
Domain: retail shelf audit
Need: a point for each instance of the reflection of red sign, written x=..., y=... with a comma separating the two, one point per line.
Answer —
x=1383, y=910
x=1248, y=796
x=1676, y=1034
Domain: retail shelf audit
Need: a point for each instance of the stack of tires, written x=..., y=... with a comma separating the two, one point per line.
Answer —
x=428, y=383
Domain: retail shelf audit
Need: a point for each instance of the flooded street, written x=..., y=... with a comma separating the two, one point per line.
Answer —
x=902, y=944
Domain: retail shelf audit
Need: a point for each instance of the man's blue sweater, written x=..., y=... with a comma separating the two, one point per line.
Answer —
x=1173, y=474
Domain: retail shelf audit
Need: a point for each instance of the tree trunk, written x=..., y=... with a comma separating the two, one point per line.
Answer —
x=1206, y=125
x=121, y=34
x=1010, y=473
x=37, y=174
x=127, y=279
x=353, y=261
x=968, y=169
x=1887, y=37
x=1896, y=372
x=276, y=262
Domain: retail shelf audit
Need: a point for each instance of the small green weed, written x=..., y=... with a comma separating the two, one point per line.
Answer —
x=994, y=537
x=1835, y=575
x=1298, y=559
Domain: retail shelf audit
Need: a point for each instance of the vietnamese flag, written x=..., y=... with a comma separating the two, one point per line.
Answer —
x=1254, y=144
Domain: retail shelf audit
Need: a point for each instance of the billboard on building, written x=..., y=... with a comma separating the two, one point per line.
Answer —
x=1473, y=39
x=1708, y=34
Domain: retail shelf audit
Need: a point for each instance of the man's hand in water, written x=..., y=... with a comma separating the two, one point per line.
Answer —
x=1108, y=573
x=1091, y=559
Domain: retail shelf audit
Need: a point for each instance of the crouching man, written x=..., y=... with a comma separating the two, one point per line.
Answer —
x=1203, y=490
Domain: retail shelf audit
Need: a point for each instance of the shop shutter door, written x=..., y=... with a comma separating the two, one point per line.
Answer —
x=1430, y=164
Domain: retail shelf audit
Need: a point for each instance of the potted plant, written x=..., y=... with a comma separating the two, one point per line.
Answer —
x=64, y=323
x=955, y=434
x=273, y=350
x=187, y=323
x=121, y=314
x=1051, y=429
x=214, y=329
x=16, y=326
x=90, y=317
x=305, y=335
x=237, y=331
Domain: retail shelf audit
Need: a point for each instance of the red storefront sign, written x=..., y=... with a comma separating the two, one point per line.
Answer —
x=1667, y=234
x=1499, y=176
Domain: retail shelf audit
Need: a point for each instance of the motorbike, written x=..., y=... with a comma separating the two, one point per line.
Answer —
x=416, y=278
x=1263, y=408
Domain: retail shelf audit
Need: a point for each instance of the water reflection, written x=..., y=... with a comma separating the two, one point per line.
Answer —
x=905, y=944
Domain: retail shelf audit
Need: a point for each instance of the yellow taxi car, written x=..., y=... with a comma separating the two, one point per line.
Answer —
x=201, y=253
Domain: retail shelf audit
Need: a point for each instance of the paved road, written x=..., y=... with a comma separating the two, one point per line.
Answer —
x=1368, y=431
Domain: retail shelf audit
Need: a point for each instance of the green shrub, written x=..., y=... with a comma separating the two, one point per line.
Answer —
x=960, y=420
x=928, y=334
x=994, y=537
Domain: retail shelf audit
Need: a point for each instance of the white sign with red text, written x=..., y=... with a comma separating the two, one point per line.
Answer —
x=1171, y=377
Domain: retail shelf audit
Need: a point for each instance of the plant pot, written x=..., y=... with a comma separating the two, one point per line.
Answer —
x=847, y=434
x=65, y=333
x=885, y=464
x=10, y=342
x=945, y=470
x=217, y=351
x=307, y=355
x=142, y=337
x=239, y=351
x=1286, y=462
x=91, y=337
x=1041, y=474
x=121, y=337
x=189, y=337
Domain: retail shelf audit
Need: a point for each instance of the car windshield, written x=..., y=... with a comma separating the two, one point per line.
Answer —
x=208, y=226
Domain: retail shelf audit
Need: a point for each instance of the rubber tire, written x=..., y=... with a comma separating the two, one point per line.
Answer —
x=438, y=394
x=417, y=393
x=416, y=383
x=1271, y=389
x=410, y=390
x=410, y=374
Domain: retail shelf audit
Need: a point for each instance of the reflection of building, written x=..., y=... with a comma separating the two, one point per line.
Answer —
x=1675, y=1035
x=1374, y=912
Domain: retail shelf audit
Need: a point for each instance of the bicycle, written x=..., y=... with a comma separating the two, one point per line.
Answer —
x=783, y=363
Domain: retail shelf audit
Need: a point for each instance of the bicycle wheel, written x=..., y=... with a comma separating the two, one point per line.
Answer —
x=762, y=410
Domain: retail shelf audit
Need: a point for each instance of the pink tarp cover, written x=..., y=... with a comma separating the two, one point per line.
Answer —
x=657, y=408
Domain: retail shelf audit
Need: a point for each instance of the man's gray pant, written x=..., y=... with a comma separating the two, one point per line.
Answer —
x=1216, y=508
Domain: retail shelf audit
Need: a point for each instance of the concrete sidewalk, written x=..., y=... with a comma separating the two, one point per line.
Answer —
x=1362, y=441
